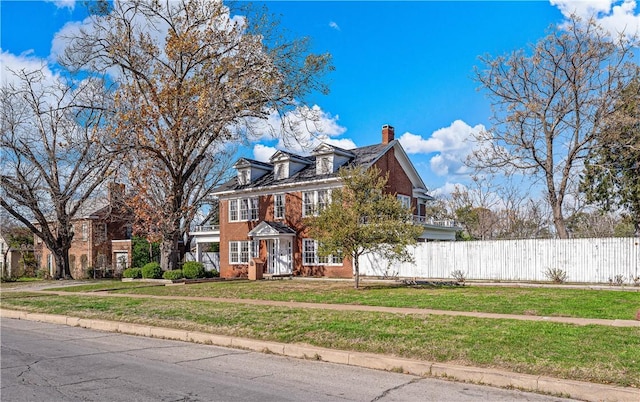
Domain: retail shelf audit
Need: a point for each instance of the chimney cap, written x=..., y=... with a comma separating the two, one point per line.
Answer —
x=387, y=126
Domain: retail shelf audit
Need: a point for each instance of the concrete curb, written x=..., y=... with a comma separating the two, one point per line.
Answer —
x=487, y=376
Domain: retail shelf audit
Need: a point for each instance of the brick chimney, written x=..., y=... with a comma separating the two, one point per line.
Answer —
x=387, y=134
x=115, y=193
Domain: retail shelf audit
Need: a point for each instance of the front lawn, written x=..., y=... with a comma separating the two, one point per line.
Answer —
x=588, y=353
x=606, y=304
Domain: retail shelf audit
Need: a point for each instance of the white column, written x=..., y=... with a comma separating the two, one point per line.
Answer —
x=198, y=251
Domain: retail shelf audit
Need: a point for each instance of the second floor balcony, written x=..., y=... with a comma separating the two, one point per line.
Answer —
x=430, y=221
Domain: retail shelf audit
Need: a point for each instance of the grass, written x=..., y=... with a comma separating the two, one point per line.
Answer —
x=606, y=304
x=588, y=353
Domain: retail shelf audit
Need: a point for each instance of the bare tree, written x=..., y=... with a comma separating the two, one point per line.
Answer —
x=549, y=104
x=52, y=156
x=475, y=208
x=192, y=77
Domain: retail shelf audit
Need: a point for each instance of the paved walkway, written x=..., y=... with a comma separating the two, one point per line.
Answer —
x=354, y=307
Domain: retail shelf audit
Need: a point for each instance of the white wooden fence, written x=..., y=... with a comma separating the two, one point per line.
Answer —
x=584, y=260
x=211, y=261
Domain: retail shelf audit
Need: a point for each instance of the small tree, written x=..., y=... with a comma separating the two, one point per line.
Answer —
x=362, y=218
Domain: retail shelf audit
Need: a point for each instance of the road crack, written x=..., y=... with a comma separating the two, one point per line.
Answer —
x=387, y=391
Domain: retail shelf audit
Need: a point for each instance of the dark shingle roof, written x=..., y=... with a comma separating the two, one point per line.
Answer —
x=280, y=227
x=363, y=156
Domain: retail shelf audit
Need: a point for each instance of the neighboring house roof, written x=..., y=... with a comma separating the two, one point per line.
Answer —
x=91, y=208
x=363, y=156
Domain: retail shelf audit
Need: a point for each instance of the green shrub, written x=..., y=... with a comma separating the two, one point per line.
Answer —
x=193, y=270
x=135, y=273
x=173, y=275
x=211, y=274
x=152, y=271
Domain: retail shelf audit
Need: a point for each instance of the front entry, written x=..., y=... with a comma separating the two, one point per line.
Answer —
x=279, y=257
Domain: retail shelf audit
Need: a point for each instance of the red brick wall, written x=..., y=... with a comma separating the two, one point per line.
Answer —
x=399, y=182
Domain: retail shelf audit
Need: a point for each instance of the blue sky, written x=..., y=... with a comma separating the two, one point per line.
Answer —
x=408, y=64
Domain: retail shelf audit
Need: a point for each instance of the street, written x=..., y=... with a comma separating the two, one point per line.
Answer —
x=48, y=362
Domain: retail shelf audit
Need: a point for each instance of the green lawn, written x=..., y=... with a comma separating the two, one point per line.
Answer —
x=607, y=304
x=589, y=353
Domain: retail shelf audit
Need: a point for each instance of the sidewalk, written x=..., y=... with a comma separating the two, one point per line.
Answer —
x=355, y=307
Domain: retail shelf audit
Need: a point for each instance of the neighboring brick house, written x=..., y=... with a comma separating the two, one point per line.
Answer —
x=102, y=239
x=262, y=210
x=9, y=258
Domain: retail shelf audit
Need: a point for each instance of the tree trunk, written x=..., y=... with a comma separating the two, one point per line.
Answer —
x=356, y=267
x=169, y=252
x=61, y=256
x=559, y=223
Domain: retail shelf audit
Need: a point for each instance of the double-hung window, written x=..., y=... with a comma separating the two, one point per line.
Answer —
x=309, y=251
x=243, y=209
x=308, y=203
x=310, y=255
x=240, y=252
x=253, y=209
x=405, y=200
x=278, y=206
x=323, y=199
x=233, y=210
x=314, y=202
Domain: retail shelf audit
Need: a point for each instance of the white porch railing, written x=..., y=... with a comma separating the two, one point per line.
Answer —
x=207, y=228
x=446, y=223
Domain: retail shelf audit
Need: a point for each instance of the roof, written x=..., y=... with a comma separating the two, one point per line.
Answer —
x=271, y=228
x=363, y=156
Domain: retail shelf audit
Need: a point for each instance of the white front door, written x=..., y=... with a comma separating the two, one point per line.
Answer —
x=279, y=258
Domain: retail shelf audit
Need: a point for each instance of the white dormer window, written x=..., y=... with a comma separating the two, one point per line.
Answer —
x=281, y=171
x=324, y=165
x=244, y=176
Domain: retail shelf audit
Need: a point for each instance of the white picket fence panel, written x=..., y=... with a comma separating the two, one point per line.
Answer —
x=584, y=260
x=210, y=260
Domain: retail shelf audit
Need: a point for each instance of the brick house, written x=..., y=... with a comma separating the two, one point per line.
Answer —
x=101, y=241
x=262, y=209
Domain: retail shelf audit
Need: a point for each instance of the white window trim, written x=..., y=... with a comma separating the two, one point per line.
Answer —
x=244, y=209
x=237, y=248
x=279, y=208
x=315, y=202
x=318, y=260
x=405, y=200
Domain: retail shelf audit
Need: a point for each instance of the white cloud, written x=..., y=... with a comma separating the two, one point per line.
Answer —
x=263, y=153
x=456, y=137
x=26, y=61
x=447, y=189
x=334, y=25
x=615, y=16
x=70, y=4
x=299, y=130
x=452, y=145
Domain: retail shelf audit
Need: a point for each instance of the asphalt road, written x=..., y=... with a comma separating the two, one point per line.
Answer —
x=48, y=362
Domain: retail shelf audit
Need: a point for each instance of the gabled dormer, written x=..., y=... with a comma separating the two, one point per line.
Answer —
x=250, y=170
x=286, y=164
x=329, y=158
